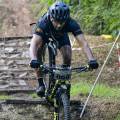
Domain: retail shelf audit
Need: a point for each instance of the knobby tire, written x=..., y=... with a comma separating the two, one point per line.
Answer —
x=65, y=106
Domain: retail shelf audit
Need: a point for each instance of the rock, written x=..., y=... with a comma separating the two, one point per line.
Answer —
x=3, y=56
x=10, y=62
x=28, y=43
x=2, y=61
x=14, y=56
x=4, y=78
x=9, y=50
x=22, y=62
x=4, y=68
x=13, y=84
x=3, y=82
x=25, y=54
x=12, y=44
x=4, y=86
x=23, y=75
x=22, y=44
x=2, y=44
x=22, y=83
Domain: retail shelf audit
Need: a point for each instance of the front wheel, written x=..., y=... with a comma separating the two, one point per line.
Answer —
x=64, y=107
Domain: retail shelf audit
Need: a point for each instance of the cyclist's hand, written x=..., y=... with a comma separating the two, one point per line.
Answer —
x=93, y=64
x=34, y=64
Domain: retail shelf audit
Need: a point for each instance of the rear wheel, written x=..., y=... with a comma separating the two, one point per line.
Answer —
x=64, y=107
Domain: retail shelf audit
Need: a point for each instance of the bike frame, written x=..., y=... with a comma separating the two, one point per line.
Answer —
x=56, y=86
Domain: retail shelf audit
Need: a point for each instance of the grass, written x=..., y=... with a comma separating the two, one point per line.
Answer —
x=84, y=88
x=118, y=117
x=99, y=91
x=4, y=97
x=34, y=95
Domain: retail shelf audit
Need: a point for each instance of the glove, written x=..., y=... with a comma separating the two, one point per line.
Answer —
x=34, y=64
x=93, y=64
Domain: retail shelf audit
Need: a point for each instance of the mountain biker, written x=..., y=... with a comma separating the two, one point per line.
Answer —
x=56, y=24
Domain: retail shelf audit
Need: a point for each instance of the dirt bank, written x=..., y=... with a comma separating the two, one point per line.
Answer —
x=97, y=110
x=15, y=18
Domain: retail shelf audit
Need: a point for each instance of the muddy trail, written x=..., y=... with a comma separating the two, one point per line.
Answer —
x=96, y=111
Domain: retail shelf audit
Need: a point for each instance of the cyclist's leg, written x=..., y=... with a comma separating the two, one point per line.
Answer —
x=65, y=49
x=66, y=54
x=41, y=87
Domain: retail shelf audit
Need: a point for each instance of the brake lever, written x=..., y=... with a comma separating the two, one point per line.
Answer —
x=45, y=69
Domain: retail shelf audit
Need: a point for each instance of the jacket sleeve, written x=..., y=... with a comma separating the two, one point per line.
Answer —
x=74, y=27
x=40, y=28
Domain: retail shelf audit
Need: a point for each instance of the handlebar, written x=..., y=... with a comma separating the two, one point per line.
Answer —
x=48, y=69
x=81, y=69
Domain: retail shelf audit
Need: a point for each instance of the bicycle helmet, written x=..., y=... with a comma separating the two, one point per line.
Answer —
x=59, y=11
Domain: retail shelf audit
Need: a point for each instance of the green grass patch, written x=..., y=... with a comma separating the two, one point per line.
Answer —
x=118, y=117
x=99, y=91
x=5, y=97
x=34, y=95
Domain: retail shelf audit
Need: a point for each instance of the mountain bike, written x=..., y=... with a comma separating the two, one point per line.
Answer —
x=57, y=81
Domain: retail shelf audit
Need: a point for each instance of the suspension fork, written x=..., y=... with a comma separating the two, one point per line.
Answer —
x=52, y=49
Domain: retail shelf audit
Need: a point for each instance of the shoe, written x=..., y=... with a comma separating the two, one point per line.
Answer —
x=41, y=91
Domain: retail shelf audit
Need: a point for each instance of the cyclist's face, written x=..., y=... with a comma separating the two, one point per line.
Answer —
x=57, y=25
